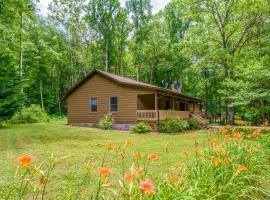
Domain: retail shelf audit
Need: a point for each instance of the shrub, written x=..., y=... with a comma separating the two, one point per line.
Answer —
x=173, y=126
x=142, y=128
x=32, y=114
x=107, y=122
x=194, y=124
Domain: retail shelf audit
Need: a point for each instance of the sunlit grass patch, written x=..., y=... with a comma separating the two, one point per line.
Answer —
x=84, y=163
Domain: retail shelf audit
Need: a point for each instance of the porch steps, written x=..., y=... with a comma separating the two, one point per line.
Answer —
x=199, y=118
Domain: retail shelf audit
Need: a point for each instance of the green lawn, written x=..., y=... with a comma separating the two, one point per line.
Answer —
x=43, y=139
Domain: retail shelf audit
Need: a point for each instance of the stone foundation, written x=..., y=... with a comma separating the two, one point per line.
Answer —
x=124, y=127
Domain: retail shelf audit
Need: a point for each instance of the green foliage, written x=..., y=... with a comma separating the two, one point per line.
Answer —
x=212, y=173
x=207, y=173
x=224, y=59
x=194, y=124
x=141, y=128
x=107, y=122
x=10, y=95
x=32, y=114
x=173, y=126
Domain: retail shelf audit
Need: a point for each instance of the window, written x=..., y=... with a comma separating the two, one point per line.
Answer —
x=182, y=106
x=93, y=105
x=113, y=104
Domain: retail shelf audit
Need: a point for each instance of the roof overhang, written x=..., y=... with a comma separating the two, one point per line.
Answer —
x=140, y=85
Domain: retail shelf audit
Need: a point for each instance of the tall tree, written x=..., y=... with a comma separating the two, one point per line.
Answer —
x=220, y=31
x=102, y=16
x=140, y=13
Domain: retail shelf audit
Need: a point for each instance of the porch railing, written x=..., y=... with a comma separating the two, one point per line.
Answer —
x=173, y=114
x=152, y=115
x=147, y=115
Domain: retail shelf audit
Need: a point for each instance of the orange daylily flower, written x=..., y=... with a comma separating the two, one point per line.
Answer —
x=175, y=178
x=227, y=161
x=228, y=127
x=153, y=156
x=227, y=138
x=222, y=151
x=129, y=143
x=25, y=160
x=216, y=160
x=110, y=145
x=147, y=187
x=138, y=155
x=179, y=165
x=222, y=130
x=255, y=134
x=137, y=171
x=129, y=177
x=236, y=136
x=184, y=153
x=214, y=144
x=104, y=171
x=196, y=149
x=242, y=168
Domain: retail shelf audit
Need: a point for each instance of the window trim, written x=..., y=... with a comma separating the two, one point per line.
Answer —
x=113, y=104
x=91, y=104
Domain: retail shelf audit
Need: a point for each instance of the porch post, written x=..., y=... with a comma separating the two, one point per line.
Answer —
x=156, y=108
x=173, y=103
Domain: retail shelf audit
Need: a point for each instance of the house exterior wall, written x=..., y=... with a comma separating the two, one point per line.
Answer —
x=198, y=109
x=103, y=88
x=195, y=108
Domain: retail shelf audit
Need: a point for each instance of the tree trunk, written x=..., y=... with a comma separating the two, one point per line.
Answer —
x=58, y=91
x=152, y=72
x=106, y=55
x=138, y=72
x=230, y=116
x=21, y=56
x=41, y=94
x=262, y=110
x=120, y=61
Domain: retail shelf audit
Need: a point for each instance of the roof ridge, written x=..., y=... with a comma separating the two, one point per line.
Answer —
x=131, y=82
x=108, y=73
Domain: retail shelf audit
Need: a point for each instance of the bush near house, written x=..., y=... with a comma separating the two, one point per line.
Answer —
x=32, y=114
x=141, y=128
x=194, y=124
x=107, y=122
x=173, y=126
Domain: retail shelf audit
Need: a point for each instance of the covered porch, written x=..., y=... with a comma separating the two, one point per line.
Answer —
x=158, y=107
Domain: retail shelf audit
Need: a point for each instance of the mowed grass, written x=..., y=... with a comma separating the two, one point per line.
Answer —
x=44, y=139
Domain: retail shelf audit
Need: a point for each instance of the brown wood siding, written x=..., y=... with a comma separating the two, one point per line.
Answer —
x=103, y=88
x=198, y=109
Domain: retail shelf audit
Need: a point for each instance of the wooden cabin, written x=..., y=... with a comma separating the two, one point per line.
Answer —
x=128, y=101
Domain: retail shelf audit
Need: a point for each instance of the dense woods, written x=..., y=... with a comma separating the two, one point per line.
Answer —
x=218, y=50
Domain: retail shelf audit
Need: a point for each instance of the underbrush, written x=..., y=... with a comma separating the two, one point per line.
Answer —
x=107, y=122
x=141, y=128
x=233, y=165
x=32, y=114
x=173, y=126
